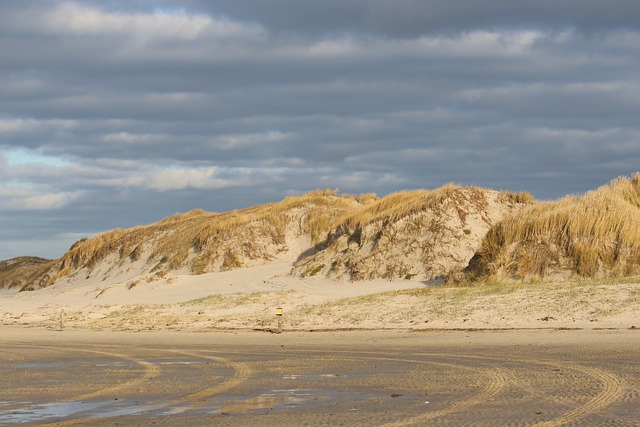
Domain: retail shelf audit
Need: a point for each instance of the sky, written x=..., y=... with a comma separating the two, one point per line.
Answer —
x=118, y=113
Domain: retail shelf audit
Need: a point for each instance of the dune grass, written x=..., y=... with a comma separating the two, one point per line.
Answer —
x=398, y=205
x=594, y=235
x=407, y=203
x=326, y=205
x=204, y=241
x=21, y=272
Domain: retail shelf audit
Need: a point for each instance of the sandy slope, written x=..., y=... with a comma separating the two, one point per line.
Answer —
x=438, y=237
x=247, y=298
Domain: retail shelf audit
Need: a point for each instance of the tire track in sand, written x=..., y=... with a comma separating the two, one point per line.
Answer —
x=496, y=383
x=150, y=370
x=241, y=372
x=613, y=388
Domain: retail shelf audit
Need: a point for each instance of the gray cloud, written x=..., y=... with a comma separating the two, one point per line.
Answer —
x=411, y=18
x=116, y=113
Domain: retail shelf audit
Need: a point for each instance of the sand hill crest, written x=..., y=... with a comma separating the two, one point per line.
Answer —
x=421, y=234
x=461, y=233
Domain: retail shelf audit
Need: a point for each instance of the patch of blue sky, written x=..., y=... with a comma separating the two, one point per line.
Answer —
x=26, y=157
x=168, y=10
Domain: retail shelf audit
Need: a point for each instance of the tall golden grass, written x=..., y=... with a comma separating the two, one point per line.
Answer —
x=407, y=203
x=323, y=207
x=23, y=272
x=198, y=239
x=405, y=234
x=594, y=235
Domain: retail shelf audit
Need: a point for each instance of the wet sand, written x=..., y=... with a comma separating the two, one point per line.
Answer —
x=391, y=378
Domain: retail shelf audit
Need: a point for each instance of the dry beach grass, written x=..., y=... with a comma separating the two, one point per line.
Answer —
x=593, y=235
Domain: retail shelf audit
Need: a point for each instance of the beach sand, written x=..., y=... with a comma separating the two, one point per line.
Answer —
x=390, y=378
x=246, y=299
x=175, y=349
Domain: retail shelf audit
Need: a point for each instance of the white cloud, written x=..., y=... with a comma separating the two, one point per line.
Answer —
x=336, y=47
x=26, y=199
x=13, y=127
x=471, y=44
x=237, y=141
x=179, y=178
x=16, y=127
x=75, y=18
x=479, y=44
x=129, y=174
x=132, y=138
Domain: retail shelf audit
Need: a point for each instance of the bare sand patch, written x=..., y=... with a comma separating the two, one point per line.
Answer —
x=247, y=299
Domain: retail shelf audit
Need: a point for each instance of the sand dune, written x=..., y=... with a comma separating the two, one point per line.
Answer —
x=350, y=262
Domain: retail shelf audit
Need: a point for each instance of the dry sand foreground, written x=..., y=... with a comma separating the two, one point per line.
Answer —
x=247, y=299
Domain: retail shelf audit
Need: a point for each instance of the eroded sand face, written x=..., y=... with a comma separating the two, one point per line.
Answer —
x=548, y=378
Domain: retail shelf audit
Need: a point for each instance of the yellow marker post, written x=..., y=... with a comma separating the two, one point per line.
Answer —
x=279, y=316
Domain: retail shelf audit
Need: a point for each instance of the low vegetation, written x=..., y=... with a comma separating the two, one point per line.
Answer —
x=578, y=303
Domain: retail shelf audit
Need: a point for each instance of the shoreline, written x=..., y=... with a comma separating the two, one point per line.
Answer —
x=18, y=332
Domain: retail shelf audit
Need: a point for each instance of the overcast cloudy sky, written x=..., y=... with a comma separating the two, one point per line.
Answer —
x=116, y=113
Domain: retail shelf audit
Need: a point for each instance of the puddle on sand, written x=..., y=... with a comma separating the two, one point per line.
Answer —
x=29, y=412
x=287, y=399
x=313, y=377
x=23, y=412
x=277, y=399
x=38, y=412
x=36, y=365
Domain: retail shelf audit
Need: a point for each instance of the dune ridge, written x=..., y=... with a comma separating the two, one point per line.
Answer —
x=421, y=234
